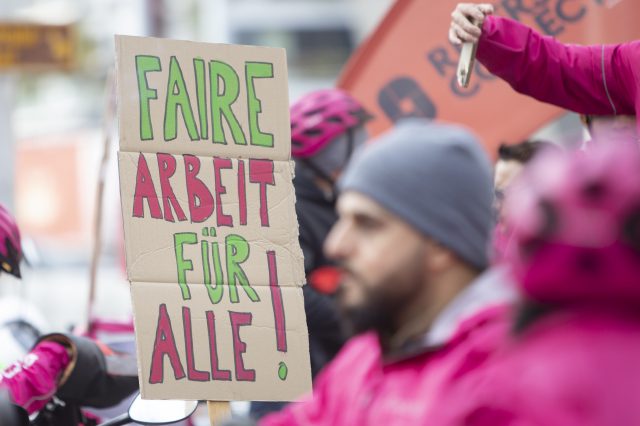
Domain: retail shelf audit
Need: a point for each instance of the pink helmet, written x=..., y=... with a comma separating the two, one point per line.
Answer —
x=320, y=117
x=575, y=219
x=10, y=248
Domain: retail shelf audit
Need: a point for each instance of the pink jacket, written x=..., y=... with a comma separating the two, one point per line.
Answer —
x=579, y=367
x=594, y=80
x=359, y=388
x=32, y=381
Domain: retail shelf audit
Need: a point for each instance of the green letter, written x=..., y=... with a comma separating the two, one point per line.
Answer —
x=183, y=264
x=257, y=70
x=145, y=64
x=215, y=292
x=177, y=96
x=237, y=253
x=198, y=65
x=221, y=102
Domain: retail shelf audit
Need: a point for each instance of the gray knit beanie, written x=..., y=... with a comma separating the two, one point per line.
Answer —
x=437, y=178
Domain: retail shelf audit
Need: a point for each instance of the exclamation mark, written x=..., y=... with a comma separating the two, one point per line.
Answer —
x=278, y=312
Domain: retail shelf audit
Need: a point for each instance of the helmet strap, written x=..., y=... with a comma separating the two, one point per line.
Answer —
x=320, y=174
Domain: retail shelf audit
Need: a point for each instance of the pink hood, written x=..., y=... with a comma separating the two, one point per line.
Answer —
x=576, y=368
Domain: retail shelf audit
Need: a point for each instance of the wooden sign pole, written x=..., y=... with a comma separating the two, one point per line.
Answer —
x=107, y=127
x=218, y=411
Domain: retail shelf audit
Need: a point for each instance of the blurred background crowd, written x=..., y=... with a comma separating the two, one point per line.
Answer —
x=52, y=122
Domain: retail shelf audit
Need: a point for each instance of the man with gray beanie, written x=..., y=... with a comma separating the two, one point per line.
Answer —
x=415, y=218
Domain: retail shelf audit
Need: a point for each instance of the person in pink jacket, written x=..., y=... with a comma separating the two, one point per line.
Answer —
x=75, y=369
x=572, y=356
x=415, y=218
x=32, y=381
x=512, y=159
x=601, y=82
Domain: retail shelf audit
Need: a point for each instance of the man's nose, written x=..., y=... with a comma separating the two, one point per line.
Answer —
x=336, y=246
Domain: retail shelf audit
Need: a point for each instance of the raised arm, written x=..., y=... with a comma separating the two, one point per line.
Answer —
x=569, y=76
x=596, y=80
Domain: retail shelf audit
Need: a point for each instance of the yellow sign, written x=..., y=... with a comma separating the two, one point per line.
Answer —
x=35, y=46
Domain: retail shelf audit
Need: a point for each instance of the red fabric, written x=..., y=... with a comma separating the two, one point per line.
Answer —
x=358, y=388
x=325, y=279
x=33, y=380
x=573, y=368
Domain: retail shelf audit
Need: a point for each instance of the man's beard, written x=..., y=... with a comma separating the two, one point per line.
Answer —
x=382, y=303
x=373, y=314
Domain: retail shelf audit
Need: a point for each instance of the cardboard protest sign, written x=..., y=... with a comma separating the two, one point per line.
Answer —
x=407, y=67
x=210, y=226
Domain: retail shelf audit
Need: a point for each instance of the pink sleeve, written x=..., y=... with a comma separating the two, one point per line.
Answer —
x=625, y=69
x=586, y=79
x=313, y=409
x=33, y=380
x=327, y=404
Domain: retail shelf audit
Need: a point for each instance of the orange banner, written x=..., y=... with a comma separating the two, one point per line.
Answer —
x=408, y=67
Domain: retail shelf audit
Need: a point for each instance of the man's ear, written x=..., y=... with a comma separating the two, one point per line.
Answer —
x=439, y=258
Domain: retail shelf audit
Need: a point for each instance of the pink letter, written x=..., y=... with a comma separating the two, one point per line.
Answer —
x=218, y=164
x=239, y=319
x=242, y=193
x=193, y=373
x=261, y=172
x=216, y=373
x=276, y=300
x=165, y=344
x=166, y=169
x=145, y=189
x=200, y=199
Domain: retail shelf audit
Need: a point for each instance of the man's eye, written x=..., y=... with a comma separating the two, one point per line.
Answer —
x=368, y=223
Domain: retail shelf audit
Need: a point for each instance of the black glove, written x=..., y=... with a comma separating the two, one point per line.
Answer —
x=11, y=414
x=96, y=377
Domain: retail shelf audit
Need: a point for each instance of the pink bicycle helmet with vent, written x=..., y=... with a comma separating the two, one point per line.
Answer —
x=575, y=219
x=320, y=117
x=10, y=248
